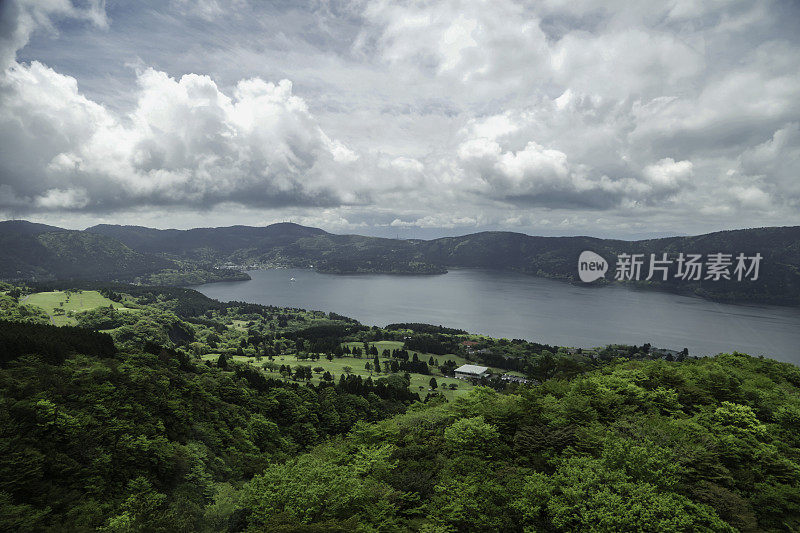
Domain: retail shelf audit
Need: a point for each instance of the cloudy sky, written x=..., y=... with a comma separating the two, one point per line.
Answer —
x=611, y=118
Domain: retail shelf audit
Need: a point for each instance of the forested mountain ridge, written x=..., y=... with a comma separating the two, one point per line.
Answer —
x=220, y=241
x=555, y=257
x=40, y=252
x=282, y=244
x=36, y=250
x=287, y=244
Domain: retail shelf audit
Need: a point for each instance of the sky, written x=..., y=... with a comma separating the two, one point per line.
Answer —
x=411, y=119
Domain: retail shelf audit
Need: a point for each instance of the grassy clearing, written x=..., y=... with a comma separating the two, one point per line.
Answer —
x=75, y=301
x=396, y=345
x=420, y=383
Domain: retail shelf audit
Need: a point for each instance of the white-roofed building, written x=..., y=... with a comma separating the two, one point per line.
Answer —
x=471, y=372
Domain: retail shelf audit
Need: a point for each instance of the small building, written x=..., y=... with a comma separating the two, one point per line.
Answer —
x=471, y=372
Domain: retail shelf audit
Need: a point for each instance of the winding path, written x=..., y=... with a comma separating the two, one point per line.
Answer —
x=52, y=320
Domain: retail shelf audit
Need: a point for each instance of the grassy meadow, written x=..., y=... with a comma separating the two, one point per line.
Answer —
x=397, y=345
x=58, y=304
x=420, y=383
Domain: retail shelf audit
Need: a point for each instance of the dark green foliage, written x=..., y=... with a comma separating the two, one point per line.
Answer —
x=218, y=326
x=45, y=252
x=144, y=440
x=51, y=343
x=105, y=318
x=11, y=309
x=439, y=344
x=417, y=327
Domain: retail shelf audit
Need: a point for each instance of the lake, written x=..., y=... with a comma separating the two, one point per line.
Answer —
x=512, y=305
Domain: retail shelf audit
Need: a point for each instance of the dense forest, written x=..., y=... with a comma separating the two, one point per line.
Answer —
x=158, y=409
x=143, y=441
x=707, y=445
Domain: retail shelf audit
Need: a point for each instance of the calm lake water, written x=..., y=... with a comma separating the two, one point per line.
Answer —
x=507, y=304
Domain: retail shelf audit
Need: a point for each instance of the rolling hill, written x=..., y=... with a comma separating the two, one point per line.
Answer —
x=200, y=242
x=39, y=252
x=284, y=244
x=557, y=257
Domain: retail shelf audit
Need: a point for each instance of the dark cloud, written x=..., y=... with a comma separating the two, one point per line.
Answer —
x=613, y=115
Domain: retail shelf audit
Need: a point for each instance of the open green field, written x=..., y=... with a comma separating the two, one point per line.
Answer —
x=396, y=345
x=75, y=301
x=419, y=383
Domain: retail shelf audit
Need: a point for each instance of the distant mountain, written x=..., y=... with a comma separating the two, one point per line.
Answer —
x=169, y=254
x=39, y=252
x=283, y=244
x=554, y=257
x=557, y=257
x=204, y=242
x=23, y=227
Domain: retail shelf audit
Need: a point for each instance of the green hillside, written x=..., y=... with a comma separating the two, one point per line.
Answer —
x=38, y=252
x=190, y=415
x=42, y=252
x=707, y=445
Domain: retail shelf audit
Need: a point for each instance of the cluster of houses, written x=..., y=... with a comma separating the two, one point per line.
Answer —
x=469, y=345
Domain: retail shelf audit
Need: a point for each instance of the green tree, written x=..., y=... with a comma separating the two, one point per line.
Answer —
x=143, y=510
x=473, y=436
